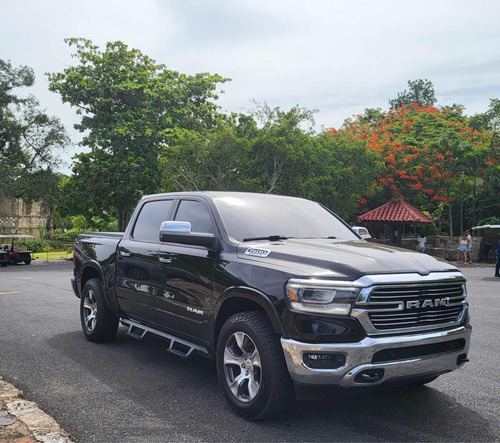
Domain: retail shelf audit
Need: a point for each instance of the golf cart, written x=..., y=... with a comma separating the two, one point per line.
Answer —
x=14, y=253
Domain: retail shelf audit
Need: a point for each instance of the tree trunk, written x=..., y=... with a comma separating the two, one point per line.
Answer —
x=126, y=219
x=462, y=207
x=474, y=203
x=450, y=219
x=49, y=225
x=119, y=216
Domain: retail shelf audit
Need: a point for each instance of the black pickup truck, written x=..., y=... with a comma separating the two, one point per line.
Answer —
x=284, y=295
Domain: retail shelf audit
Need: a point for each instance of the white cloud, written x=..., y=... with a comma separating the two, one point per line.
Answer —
x=337, y=56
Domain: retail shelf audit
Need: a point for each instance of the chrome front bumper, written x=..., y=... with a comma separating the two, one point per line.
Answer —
x=359, y=358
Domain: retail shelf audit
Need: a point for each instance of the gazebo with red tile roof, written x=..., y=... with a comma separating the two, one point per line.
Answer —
x=396, y=214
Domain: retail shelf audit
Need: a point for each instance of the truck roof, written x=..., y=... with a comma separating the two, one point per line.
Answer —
x=220, y=194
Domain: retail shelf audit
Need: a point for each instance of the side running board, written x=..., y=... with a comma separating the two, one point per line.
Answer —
x=178, y=346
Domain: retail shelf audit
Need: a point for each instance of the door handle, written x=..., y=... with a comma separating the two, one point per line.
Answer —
x=125, y=254
x=165, y=260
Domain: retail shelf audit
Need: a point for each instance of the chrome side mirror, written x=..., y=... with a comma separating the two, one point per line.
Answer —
x=175, y=226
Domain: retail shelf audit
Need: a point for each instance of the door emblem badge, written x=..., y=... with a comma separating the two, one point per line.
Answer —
x=194, y=310
x=254, y=252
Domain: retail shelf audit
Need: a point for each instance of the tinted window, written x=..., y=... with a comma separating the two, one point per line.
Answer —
x=147, y=226
x=195, y=213
x=263, y=216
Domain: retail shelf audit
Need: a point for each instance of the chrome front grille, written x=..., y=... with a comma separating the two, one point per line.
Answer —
x=390, y=309
x=391, y=293
x=391, y=321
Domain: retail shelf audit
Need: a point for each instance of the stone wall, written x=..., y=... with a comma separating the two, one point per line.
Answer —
x=20, y=217
x=440, y=246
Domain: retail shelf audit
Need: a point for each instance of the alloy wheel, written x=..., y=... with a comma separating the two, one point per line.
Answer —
x=90, y=310
x=242, y=367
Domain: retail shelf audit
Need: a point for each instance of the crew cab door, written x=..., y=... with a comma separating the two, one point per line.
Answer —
x=138, y=274
x=186, y=304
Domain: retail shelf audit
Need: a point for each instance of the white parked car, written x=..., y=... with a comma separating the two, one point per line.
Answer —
x=361, y=231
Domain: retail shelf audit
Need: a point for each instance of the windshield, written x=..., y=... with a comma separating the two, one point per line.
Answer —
x=255, y=216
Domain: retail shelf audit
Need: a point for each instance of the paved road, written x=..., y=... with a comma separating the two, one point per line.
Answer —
x=130, y=390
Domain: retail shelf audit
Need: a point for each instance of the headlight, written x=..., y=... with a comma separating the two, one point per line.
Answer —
x=322, y=296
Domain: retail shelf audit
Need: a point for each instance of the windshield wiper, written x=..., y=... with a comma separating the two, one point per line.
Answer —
x=315, y=238
x=270, y=238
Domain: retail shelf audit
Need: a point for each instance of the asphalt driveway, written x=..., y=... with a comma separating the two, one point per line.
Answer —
x=134, y=391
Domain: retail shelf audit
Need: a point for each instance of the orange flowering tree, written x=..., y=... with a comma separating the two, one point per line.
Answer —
x=427, y=153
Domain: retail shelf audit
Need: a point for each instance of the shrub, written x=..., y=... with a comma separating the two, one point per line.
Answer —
x=490, y=221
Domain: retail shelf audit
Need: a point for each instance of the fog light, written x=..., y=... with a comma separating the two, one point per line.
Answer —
x=324, y=361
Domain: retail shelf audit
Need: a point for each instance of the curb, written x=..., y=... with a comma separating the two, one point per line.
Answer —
x=44, y=261
x=21, y=421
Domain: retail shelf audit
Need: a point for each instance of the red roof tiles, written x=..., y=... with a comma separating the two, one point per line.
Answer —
x=400, y=212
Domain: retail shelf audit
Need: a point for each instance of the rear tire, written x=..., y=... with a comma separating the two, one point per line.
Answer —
x=251, y=367
x=99, y=324
x=27, y=261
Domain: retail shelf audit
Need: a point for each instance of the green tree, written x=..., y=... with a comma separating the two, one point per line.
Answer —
x=489, y=120
x=264, y=151
x=29, y=140
x=419, y=91
x=342, y=174
x=372, y=115
x=281, y=149
x=213, y=159
x=131, y=107
x=271, y=150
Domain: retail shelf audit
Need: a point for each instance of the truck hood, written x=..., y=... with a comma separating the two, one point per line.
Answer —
x=340, y=259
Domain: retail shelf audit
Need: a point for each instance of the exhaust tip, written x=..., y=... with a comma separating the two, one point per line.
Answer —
x=369, y=376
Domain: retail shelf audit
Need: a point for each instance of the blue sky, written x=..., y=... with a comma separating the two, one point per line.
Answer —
x=338, y=57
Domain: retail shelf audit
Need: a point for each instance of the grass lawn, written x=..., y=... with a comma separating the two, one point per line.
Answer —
x=52, y=255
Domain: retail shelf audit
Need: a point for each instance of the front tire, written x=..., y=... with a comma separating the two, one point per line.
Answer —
x=98, y=322
x=27, y=261
x=251, y=367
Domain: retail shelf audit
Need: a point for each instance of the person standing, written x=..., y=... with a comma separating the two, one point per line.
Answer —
x=421, y=242
x=462, y=247
x=469, y=245
x=497, y=266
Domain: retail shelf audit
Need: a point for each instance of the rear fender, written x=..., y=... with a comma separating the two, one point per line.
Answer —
x=92, y=269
